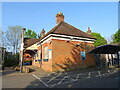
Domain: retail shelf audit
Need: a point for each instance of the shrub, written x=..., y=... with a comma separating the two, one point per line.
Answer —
x=11, y=60
x=3, y=65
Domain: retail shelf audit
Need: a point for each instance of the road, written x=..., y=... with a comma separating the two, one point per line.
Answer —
x=97, y=79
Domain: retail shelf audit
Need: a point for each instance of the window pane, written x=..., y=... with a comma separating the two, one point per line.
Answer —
x=83, y=55
x=46, y=52
x=50, y=53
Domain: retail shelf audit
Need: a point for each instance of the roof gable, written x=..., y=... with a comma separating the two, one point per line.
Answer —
x=29, y=41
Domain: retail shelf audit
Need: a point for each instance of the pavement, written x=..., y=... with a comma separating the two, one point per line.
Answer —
x=9, y=71
x=72, y=79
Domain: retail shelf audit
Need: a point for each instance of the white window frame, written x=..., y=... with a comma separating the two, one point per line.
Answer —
x=46, y=52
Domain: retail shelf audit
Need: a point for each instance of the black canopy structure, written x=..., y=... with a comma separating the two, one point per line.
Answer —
x=106, y=49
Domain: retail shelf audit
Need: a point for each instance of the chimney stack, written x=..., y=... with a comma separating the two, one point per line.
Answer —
x=89, y=31
x=59, y=17
x=42, y=34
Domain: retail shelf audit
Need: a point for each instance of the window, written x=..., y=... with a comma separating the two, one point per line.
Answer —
x=46, y=53
x=50, y=53
x=83, y=55
x=40, y=54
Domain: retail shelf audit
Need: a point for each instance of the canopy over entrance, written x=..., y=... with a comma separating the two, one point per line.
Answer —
x=106, y=49
x=31, y=52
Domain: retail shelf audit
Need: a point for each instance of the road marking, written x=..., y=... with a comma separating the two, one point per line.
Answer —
x=40, y=80
x=72, y=79
x=62, y=79
x=54, y=77
x=77, y=77
x=109, y=72
x=89, y=75
x=61, y=83
x=112, y=71
x=99, y=74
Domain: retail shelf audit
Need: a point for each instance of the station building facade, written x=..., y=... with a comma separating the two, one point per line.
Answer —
x=64, y=47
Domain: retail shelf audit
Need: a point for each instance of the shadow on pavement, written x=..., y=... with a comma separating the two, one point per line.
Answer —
x=36, y=84
x=96, y=82
x=46, y=81
x=99, y=82
x=8, y=71
x=41, y=82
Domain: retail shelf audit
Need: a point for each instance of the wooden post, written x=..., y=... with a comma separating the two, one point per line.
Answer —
x=112, y=59
x=108, y=61
x=118, y=59
x=95, y=59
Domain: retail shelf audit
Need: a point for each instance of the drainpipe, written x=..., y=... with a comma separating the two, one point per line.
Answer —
x=41, y=56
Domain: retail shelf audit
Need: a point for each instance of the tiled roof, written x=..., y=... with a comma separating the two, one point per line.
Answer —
x=67, y=29
x=62, y=28
x=29, y=41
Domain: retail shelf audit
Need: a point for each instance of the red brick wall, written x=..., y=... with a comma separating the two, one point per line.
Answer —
x=46, y=65
x=67, y=55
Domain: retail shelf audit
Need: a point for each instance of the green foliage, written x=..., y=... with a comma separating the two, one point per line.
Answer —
x=11, y=60
x=99, y=39
x=116, y=37
x=30, y=34
x=3, y=65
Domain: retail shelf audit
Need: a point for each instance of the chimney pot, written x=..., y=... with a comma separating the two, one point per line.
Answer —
x=59, y=17
x=42, y=34
x=89, y=31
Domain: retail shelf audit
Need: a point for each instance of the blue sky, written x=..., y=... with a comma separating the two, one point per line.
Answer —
x=101, y=17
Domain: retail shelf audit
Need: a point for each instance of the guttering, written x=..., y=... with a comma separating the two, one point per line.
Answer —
x=65, y=36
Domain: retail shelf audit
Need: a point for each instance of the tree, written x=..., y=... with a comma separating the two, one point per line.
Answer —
x=2, y=38
x=30, y=34
x=13, y=37
x=99, y=39
x=116, y=37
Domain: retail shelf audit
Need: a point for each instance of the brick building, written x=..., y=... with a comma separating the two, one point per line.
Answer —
x=64, y=47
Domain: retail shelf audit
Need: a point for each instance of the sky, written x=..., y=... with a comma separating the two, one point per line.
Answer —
x=101, y=17
x=59, y=0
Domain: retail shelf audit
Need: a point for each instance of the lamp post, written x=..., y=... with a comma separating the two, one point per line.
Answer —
x=21, y=49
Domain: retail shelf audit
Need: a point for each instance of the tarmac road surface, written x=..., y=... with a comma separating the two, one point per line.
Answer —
x=95, y=79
